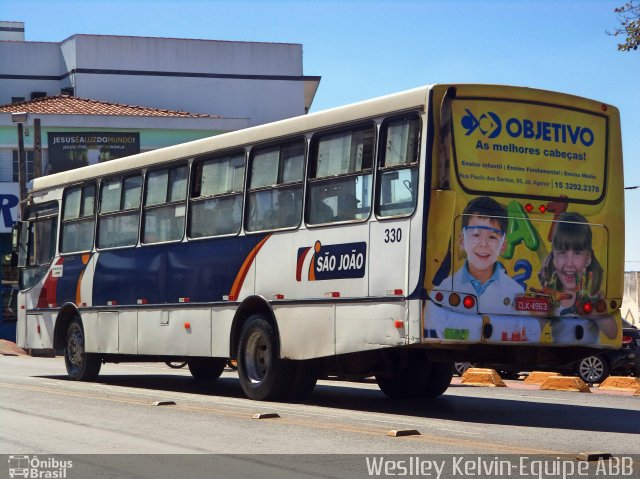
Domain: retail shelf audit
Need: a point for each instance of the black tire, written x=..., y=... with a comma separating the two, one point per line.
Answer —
x=176, y=364
x=512, y=375
x=263, y=375
x=304, y=380
x=206, y=369
x=81, y=366
x=418, y=377
x=439, y=380
x=593, y=369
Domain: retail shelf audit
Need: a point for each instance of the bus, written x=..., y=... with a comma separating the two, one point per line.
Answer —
x=386, y=239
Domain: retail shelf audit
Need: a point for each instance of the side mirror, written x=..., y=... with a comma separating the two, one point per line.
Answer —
x=15, y=236
x=19, y=234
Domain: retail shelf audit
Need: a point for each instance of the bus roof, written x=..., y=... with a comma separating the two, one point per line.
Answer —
x=406, y=100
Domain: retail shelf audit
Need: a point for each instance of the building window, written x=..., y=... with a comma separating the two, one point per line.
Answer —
x=29, y=156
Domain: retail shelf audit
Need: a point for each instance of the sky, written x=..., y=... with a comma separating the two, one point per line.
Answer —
x=368, y=48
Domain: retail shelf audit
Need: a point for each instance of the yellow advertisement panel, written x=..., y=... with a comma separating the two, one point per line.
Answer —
x=503, y=269
x=529, y=149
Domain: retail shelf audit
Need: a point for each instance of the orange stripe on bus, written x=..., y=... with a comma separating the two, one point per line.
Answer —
x=244, y=269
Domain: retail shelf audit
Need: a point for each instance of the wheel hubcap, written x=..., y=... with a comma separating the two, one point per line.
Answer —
x=591, y=369
x=257, y=357
x=75, y=347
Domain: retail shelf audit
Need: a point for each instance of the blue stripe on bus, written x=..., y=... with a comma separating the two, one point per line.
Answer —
x=202, y=271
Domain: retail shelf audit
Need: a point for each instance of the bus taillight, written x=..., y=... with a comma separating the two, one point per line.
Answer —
x=587, y=307
x=454, y=299
x=469, y=302
x=601, y=306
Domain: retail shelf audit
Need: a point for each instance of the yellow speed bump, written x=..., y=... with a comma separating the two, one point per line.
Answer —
x=620, y=383
x=482, y=377
x=565, y=383
x=538, y=377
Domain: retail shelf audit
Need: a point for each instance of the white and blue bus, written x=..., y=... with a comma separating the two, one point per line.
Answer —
x=388, y=238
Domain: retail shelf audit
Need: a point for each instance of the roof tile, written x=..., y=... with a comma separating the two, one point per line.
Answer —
x=71, y=105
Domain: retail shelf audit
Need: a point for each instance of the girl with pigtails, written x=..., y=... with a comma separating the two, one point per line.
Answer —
x=573, y=275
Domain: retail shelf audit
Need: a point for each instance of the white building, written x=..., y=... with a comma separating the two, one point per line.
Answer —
x=260, y=81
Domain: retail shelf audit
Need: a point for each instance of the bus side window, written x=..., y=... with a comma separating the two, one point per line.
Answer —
x=275, y=187
x=216, y=196
x=398, y=170
x=78, y=219
x=165, y=205
x=42, y=235
x=119, y=212
x=340, y=176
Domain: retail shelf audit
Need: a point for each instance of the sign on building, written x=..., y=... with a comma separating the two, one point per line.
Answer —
x=71, y=150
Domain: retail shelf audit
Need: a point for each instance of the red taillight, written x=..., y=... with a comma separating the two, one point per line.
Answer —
x=627, y=339
x=587, y=307
x=528, y=207
x=439, y=297
x=542, y=208
x=469, y=302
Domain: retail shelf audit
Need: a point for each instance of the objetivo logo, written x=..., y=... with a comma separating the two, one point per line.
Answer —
x=488, y=123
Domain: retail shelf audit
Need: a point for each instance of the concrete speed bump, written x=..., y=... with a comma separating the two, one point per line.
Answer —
x=538, y=377
x=9, y=348
x=482, y=377
x=565, y=383
x=620, y=383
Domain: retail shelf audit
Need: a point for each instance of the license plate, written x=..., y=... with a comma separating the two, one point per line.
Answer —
x=532, y=304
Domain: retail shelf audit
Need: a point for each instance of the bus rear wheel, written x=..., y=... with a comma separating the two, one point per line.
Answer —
x=417, y=377
x=81, y=366
x=263, y=375
x=206, y=369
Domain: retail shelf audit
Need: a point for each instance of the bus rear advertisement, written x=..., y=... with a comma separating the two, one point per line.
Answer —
x=388, y=238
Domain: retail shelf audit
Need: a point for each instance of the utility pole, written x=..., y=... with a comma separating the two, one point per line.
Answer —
x=37, y=149
x=20, y=119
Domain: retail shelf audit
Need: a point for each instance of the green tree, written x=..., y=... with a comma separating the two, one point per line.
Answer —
x=629, y=17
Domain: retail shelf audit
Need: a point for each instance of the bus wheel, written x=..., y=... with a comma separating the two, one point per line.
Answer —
x=409, y=380
x=304, y=379
x=263, y=375
x=206, y=369
x=439, y=379
x=81, y=366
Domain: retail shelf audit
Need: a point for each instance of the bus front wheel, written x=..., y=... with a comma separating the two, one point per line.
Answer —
x=81, y=366
x=263, y=375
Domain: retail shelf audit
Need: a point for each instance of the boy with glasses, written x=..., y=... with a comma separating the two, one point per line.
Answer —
x=484, y=226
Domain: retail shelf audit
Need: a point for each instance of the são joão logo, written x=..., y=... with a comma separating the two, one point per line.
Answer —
x=488, y=123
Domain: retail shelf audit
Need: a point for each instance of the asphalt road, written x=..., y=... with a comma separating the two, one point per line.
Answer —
x=42, y=412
